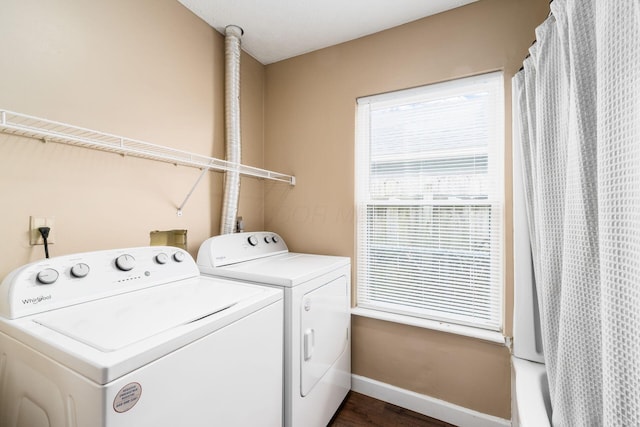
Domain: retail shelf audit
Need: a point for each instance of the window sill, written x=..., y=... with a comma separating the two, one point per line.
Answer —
x=467, y=331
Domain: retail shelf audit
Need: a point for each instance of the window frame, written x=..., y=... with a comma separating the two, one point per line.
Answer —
x=495, y=201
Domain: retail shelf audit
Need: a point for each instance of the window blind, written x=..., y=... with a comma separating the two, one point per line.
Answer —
x=429, y=196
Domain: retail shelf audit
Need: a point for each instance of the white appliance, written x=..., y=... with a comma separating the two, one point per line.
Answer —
x=136, y=337
x=317, y=320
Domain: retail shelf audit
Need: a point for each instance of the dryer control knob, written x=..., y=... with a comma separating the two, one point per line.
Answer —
x=80, y=270
x=162, y=258
x=178, y=256
x=274, y=239
x=253, y=240
x=125, y=262
x=47, y=276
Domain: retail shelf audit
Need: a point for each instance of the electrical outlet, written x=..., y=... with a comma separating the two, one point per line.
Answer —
x=35, y=238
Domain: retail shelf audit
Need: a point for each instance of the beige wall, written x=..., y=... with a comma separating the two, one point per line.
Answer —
x=310, y=113
x=144, y=69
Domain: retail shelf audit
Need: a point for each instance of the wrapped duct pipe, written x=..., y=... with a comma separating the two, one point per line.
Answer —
x=232, y=128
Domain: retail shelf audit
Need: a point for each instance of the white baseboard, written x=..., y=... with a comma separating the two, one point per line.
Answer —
x=426, y=405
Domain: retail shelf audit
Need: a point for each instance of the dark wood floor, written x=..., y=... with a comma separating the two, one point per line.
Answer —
x=360, y=410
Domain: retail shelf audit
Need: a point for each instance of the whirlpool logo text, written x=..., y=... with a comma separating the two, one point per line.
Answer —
x=36, y=300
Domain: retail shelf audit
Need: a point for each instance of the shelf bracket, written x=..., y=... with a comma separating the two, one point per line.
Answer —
x=184, y=202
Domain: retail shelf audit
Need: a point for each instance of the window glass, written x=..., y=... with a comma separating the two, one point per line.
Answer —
x=429, y=191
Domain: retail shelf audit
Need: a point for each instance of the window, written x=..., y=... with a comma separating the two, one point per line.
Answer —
x=429, y=194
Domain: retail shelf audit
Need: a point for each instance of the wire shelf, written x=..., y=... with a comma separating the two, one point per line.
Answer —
x=51, y=131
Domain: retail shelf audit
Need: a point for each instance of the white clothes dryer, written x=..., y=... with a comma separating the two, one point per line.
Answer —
x=136, y=337
x=317, y=320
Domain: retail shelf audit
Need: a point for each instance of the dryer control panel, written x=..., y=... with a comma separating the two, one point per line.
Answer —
x=72, y=279
x=229, y=249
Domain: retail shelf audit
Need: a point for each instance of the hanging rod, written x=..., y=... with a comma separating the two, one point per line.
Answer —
x=51, y=131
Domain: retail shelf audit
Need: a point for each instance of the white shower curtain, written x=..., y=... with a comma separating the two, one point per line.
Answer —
x=577, y=101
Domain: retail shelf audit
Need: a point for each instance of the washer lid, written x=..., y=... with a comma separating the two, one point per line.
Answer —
x=114, y=323
x=111, y=337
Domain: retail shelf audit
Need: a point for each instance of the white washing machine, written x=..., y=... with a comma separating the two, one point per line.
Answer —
x=317, y=349
x=136, y=337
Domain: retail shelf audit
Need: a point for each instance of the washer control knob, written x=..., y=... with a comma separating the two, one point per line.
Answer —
x=80, y=270
x=47, y=276
x=178, y=256
x=253, y=240
x=267, y=240
x=125, y=262
x=162, y=258
x=275, y=239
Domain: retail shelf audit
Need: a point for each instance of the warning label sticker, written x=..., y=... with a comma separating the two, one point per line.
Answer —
x=127, y=397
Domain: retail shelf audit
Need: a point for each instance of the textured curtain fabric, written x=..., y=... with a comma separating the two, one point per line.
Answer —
x=578, y=103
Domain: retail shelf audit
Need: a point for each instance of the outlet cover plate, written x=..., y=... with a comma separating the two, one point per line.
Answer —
x=34, y=234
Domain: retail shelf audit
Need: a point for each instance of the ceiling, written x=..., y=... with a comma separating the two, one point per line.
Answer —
x=279, y=29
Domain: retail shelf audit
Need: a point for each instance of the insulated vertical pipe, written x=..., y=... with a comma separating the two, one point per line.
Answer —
x=232, y=128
